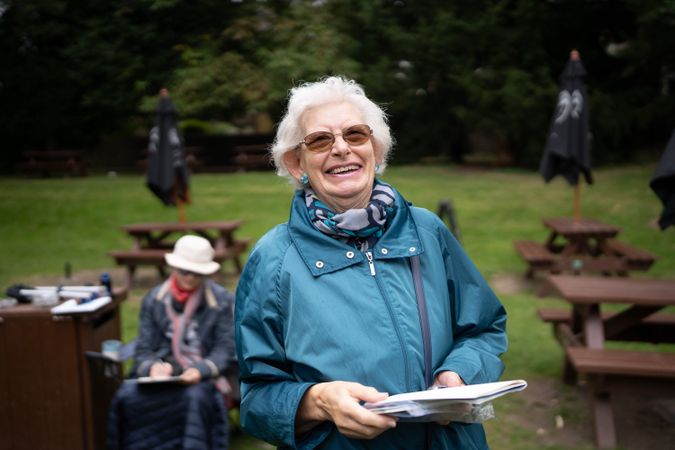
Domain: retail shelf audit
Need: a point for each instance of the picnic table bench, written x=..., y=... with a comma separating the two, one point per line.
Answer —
x=537, y=256
x=609, y=370
x=634, y=258
x=584, y=330
x=47, y=162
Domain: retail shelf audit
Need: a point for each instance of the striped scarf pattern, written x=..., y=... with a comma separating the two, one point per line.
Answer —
x=361, y=227
x=184, y=354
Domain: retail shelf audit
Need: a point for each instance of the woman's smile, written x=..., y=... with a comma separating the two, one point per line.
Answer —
x=345, y=170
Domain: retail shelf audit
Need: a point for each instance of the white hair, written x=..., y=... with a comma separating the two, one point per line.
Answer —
x=328, y=90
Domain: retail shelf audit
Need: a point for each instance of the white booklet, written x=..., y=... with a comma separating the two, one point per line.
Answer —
x=463, y=403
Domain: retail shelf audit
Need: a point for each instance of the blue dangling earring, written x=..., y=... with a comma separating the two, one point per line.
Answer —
x=377, y=167
x=304, y=179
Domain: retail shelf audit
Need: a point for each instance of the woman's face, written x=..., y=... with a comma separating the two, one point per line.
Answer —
x=188, y=280
x=342, y=176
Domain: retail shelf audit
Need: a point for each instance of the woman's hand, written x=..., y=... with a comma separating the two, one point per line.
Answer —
x=161, y=370
x=338, y=401
x=191, y=376
x=447, y=378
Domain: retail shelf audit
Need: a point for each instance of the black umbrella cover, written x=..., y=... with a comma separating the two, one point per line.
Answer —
x=663, y=184
x=167, y=175
x=568, y=148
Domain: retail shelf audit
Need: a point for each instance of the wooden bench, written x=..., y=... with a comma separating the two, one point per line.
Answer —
x=47, y=162
x=656, y=328
x=609, y=369
x=622, y=362
x=636, y=259
x=537, y=256
x=155, y=257
x=252, y=157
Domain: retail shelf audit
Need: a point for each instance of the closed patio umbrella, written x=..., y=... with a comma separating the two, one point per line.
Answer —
x=167, y=176
x=663, y=184
x=568, y=147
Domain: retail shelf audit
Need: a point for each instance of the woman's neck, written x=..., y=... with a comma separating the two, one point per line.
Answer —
x=340, y=205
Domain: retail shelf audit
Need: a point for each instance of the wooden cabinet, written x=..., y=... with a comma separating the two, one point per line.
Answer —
x=46, y=399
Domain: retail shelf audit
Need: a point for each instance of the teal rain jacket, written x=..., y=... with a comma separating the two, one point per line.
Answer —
x=310, y=309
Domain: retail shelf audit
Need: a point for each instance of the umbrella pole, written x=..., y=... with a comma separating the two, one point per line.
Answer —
x=182, y=216
x=577, y=201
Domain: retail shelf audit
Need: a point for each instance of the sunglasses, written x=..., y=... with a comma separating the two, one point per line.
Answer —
x=324, y=140
x=186, y=273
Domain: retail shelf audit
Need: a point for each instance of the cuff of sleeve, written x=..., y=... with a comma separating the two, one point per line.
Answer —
x=316, y=435
x=467, y=369
x=207, y=369
x=143, y=369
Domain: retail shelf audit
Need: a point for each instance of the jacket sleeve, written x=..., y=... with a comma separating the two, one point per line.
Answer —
x=146, y=343
x=479, y=328
x=221, y=349
x=270, y=393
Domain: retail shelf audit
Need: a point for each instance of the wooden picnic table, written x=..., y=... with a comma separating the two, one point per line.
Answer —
x=585, y=335
x=47, y=162
x=153, y=240
x=159, y=234
x=581, y=246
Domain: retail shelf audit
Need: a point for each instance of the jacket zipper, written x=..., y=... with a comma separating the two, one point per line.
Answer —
x=392, y=316
x=371, y=264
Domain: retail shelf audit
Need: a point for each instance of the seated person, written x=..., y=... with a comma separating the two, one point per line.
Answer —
x=185, y=330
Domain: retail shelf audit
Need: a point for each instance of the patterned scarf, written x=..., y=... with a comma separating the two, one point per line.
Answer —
x=360, y=227
x=184, y=353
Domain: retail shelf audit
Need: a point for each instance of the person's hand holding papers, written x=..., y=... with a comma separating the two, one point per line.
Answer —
x=338, y=401
x=446, y=379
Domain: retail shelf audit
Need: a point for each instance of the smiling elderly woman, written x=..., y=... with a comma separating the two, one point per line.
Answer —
x=358, y=296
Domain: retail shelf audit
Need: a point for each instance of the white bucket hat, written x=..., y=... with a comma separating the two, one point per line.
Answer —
x=193, y=253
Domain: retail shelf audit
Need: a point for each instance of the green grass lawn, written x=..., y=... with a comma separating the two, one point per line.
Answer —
x=48, y=222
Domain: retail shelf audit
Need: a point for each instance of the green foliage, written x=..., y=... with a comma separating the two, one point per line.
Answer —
x=445, y=71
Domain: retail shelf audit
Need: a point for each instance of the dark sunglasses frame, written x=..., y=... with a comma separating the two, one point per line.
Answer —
x=185, y=273
x=322, y=141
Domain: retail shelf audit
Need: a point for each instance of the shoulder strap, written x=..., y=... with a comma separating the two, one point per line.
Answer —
x=424, y=317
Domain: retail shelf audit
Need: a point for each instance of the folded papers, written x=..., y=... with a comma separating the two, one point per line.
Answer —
x=73, y=306
x=458, y=404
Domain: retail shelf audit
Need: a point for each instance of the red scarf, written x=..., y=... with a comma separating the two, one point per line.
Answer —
x=179, y=293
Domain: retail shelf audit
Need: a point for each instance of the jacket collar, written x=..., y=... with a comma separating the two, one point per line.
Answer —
x=323, y=254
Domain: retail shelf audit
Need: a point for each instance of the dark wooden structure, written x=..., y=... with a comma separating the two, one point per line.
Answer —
x=47, y=397
x=582, y=246
x=584, y=331
x=252, y=157
x=50, y=162
x=153, y=240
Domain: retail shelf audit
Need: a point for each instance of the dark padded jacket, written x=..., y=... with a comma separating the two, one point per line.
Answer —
x=215, y=328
